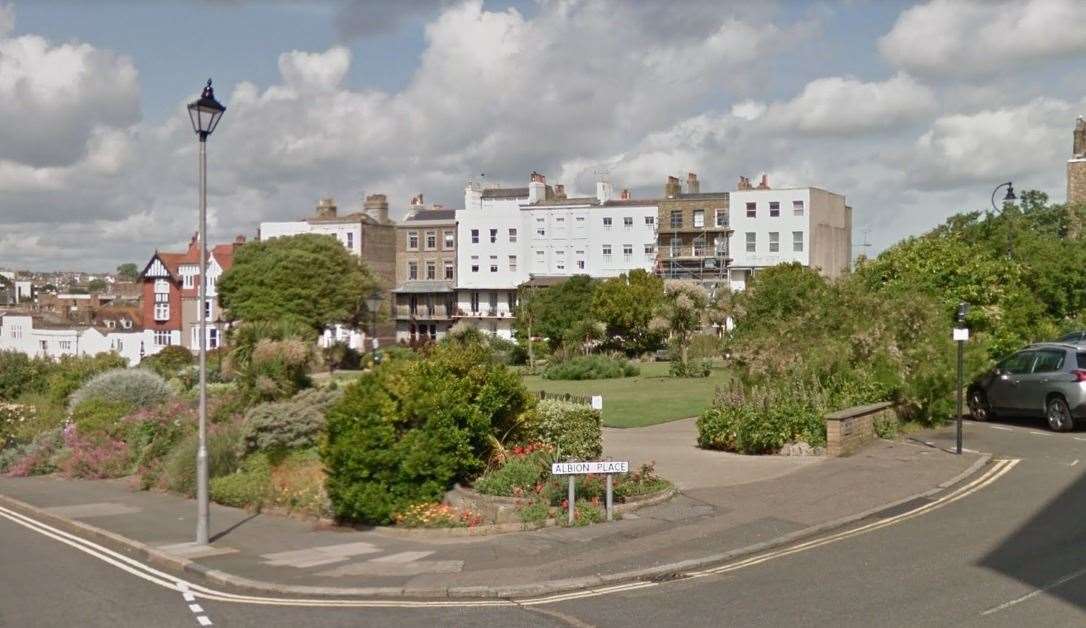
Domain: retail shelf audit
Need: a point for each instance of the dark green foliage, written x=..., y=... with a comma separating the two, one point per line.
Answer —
x=270, y=361
x=100, y=416
x=406, y=431
x=128, y=272
x=309, y=279
x=248, y=487
x=591, y=367
x=341, y=356
x=55, y=379
x=762, y=420
x=169, y=361
x=572, y=429
x=285, y=425
x=626, y=305
x=20, y=374
x=690, y=368
x=518, y=477
x=222, y=459
x=552, y=311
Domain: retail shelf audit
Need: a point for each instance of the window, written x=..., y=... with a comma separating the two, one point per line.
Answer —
x=450, y=240
x=449, y=270
x=673, y=247
x=475, y=236
x=650, y=221
x=774, y=242
x=650, y=250
x=559, y=219
x=797, y=241
x=474, y=263
x=580, y=264
x=350, y=240
x=580, y=219
x=607, y=253
x=797, y=208
x=607, y=223
x=65, y=345
x=1048, y=361
x=512, y=235
x=699, y=218
x=475, y=301
x=774, y=209
x=627, y=223
x=493, y=263
x=187, y=280
x=560, y=260
x=209, y=310
x=412, y=270
x=752, y=240
x=512, y=263
x=752, y=210
x=722, y=218
x=213, y=336
x=431, y=270
x=540, y=228
x=412, y=240
x=162, y=338
x=162, y=310
x=676, y=219
x=44, y=344
x=493, y=236
x=431, y=240
x=627, y=252
x=1082, y=360
x=1019, y=363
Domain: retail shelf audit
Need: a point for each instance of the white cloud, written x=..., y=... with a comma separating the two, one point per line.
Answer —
x=845, y=105
x=315, y=71
x=976, y=37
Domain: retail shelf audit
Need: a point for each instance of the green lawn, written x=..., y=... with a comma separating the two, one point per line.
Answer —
x=650, y=398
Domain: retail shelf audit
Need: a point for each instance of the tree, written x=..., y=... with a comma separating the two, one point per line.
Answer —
x=626, y=305
x=128, y=272
x=307, y=279
x=96, y=285
x=682, y=314
x=552, y=311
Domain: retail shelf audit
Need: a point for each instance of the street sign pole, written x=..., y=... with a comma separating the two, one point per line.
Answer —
x=571, y=499
x=610, y=498
x=961, y=349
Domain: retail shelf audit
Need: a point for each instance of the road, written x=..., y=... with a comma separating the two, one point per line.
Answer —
x=1009, y=552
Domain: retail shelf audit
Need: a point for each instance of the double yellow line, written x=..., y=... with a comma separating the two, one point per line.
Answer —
x=155, y=576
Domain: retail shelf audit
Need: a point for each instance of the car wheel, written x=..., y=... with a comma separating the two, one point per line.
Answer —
x=978, y=406
x=1059, y=415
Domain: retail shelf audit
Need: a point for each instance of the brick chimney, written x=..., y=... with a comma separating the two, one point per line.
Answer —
x=692, y=185
x=625, y=194
x=560, y=191
x=376, y=207
x=326, y=208
x=744, y=184
x=417, y=202
x=537, y=187
x=238, y=241
x=672, y=188
x=764, y=183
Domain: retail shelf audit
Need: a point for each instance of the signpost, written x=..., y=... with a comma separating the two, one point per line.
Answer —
x=961, y=335
x=605, y=467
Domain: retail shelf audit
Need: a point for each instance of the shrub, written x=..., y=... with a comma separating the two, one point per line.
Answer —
x=169, y=361
x=762, y=420
x=248, y=487
x=298, y=484
x=20, y=374
x=271, y=361
x=13, y=417
x=406, y=431
x=704, y=347
x=37, y=458
x=153, y=433
x=690, y=368
x=92, y=456
x=179, y=472
x=138, y=388
x=69, y=373
x=45, y=415
x=644, y=481
x=535, y=512
x=573, y=430
x=591, y=367
x=586, y=513
x=284, y=425
x=518, y=476
x=432, y=515
x=99, y=416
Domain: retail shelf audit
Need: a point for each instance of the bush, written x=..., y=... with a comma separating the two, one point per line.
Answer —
x=406, y=431
x=69, y=373
x=248, y=487
x=339, y=355
x=284, y=425
x=13, y=417
x=432, y=515
x=644, y=481
x=152, y=434
x=271, y=361
x=169, y=361
x=137, y=388
x=704, y=347
x=179, y=472
x=573, y=430
x=591, y=367
x=37, y=458
x=518, y=476
x=762, y=420
x=19, y=374
x=93, y=455
x=45, y=415
x=690, y=368
x=98, y=416
x=586, y=513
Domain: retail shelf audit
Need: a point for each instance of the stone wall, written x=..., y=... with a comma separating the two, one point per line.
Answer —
x=1076, y=181
x=851, y=429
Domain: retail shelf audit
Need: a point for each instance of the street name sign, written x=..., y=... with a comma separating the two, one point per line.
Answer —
x=961, y=333
x=581, y=468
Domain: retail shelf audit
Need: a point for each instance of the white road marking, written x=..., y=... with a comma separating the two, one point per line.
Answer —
x=1078, y=438
x=998, y=427
x=163, y=579
x=1040, y=433
x=204, y=621
x=188, y=596
x=196, y=608
x=1073, y=463
x=1069, y=577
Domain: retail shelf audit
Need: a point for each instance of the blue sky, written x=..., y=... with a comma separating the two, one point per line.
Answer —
x=913, y=110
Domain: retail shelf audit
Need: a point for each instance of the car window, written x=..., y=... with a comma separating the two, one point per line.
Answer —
x=1049, y=361
x=1082, y=360
x=1072, y=337
x=1018, y=363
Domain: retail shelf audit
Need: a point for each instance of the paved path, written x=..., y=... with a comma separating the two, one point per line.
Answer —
x=673, y=447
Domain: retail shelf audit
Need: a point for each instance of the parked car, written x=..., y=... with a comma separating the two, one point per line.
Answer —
x=1046, y=379
x=1075, y=337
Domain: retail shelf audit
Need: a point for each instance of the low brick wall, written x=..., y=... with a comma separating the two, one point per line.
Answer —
x=850, y=429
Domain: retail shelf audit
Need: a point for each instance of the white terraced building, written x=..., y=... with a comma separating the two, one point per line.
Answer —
x=509, y=236
x=34, y=337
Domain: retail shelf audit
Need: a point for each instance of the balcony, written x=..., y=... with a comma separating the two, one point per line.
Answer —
x=422, y=312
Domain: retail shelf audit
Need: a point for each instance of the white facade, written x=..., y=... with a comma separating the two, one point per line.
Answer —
x=769, y=236
x=348, y=233
x=17, y=333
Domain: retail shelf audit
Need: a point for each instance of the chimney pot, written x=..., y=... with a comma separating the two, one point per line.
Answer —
x=764, y=183
x=537, y=178
x=673, y=188
x=559, y=191
x=625, y=194
x=326, y=208
x=692, y=184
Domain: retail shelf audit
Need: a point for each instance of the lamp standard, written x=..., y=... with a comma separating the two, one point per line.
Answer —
x=1009, y=198
x=205, y=114
x=373, y=302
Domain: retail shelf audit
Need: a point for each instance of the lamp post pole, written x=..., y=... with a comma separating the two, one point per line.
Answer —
x=1009, y=198
x=961, y=334
x=205, y=114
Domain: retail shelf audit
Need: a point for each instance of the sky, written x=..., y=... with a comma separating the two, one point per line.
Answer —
x=913, y=111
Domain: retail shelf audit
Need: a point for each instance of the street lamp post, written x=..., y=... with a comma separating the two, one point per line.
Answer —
x=205, y=114
x=1009, y=198
x=373, y=302
x=961, y=334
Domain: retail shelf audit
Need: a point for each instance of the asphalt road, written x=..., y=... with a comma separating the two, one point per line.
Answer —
x=1012, y=553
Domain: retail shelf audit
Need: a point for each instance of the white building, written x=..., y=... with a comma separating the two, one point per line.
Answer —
x=29, y=335
x=507, y=236
x=776, y=226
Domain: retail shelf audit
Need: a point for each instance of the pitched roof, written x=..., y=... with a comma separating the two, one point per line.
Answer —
x=505, y=193
x=432, y=214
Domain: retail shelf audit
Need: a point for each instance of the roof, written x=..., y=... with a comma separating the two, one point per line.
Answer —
x=545, y=281
x=432, y=214
x=700, y=195
x=505, y=193
x=345, y=218
x=223, y=253
x=416, y=287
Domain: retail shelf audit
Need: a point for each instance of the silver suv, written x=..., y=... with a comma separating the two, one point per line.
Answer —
x=1046, y=379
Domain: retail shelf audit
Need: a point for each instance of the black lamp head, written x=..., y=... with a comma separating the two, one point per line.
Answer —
x=205, y=112
x=1010, y=197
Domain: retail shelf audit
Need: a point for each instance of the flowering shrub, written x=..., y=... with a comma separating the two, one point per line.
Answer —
x=37, y=457
x=643, y=481
x=139, y=388
x=153, y=433
x=572, y=429
x=436, y=516
x=522, y=473
x=92, y=456
x=12, y=417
